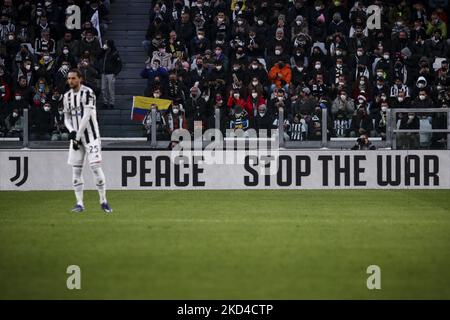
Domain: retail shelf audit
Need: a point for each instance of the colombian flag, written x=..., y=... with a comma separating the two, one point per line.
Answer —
x=141, y=106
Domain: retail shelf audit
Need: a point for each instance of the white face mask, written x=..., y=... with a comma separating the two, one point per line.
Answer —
x=422, y=96
x=318, y=8
x=65, y=51
x=383, y=109
x=200, y=36
x=46, y=109
x=236, y=95
x=105, y=46
x=400, y=99
x=277, y=52
x=339, y=66
x=260, y=22
x=175, y=111
x=386, y=56
x=298, y=22
x=379, y=74
x=359, y=53
x=262, y=114
x=11, y=37
x=379, y=86
x=156, y=95
x=254, y=66
x=383, y=98
x=219, y=68
x=317, y=66
x=18, y=97
x=343, y=97
x=254, y=95
x=15, y=114
x=410, y=117
x=28, y=66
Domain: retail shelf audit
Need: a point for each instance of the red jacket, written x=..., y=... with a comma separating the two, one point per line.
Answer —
x=251, y=108
x=235, y=102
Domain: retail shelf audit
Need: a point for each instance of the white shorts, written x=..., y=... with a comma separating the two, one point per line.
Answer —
x=92, y=150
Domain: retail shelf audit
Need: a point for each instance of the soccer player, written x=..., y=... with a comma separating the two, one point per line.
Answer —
x=81, y=121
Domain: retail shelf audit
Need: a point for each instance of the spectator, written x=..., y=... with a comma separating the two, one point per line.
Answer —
x=69, y=44
x=239, y=119
x=60, y=132
x=14, y=124
x=263, y=120
x=409, y=140
x=175, y=118
x=161, y=125
x=361, y=123
x=219, y=104
x=298, y=128
x=22, y=95
x=44, y=43
x=152, y=71
x=110, y=66
x=343, y=104
x=196, y=108
x=280, y=75
x=42, y=123
x=162, y=56
x=91, y=45
x=254, y=100
x=6, y=27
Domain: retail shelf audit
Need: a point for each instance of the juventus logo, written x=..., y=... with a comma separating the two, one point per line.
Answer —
x=19, y=170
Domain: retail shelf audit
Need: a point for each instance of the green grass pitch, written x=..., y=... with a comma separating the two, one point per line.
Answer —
x=269, y=244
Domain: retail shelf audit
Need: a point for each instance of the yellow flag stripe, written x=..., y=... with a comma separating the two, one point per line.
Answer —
x=146, y=102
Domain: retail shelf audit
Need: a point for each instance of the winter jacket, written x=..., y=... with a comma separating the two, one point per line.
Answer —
x=109, y=62
x=285, y=77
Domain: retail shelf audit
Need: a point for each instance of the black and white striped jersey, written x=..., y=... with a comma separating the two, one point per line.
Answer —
x=75, y=103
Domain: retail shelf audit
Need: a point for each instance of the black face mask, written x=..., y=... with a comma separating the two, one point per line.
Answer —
x=4, y=22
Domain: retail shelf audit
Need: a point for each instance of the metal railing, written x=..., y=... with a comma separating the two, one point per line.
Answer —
x=392, y=123
x=325, y=142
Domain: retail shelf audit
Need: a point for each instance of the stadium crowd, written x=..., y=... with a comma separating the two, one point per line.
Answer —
x=250, y=58
x=36, y=52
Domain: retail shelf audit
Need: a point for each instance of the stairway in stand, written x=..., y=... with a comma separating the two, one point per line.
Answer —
x=128, y=28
